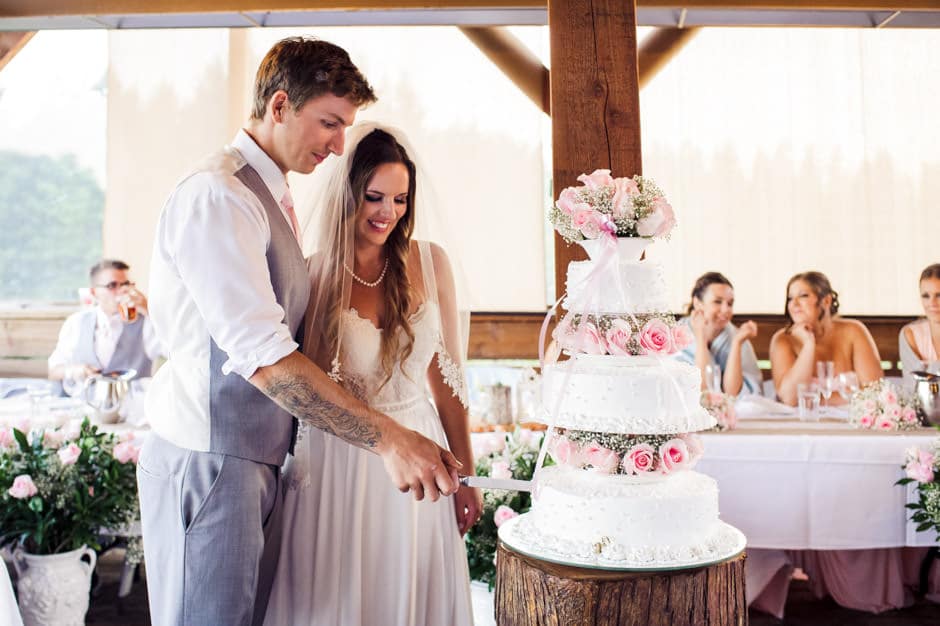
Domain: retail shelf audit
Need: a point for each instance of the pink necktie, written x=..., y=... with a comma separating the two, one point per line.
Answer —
x=288, y=203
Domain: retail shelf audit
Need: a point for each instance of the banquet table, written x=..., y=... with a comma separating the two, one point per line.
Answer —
x=814, y=486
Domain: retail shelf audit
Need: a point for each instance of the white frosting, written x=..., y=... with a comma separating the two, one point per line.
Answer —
x=624, y=394
x=585, y=517
x=621, y=287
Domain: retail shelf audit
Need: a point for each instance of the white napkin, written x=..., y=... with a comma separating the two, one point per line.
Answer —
x=755, y=406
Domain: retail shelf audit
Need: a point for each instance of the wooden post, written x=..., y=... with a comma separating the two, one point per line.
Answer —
x=595, y=98
x=530, y=592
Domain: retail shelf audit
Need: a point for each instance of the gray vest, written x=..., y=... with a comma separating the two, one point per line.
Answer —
x=129, y=353
x=243, y=421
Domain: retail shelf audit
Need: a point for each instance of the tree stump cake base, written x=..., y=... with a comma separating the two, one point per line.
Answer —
x=534, y=592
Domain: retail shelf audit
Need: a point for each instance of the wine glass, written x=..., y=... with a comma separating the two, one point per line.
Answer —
x=826, y=379
x=848, y=384
x=713, y=377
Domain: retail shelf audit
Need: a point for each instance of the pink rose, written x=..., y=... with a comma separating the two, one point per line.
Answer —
x=91, y=491
x=921, y=472
x=503, y=514
x=22, y=424
x=625, y=189
x=596, y=179
x=568, y=200
x=52, y=438
x=566, y=452
x=888, y=396
x=926, y=458
x=73, y=430
x=866, y=421
x=675, y=455
x=682, y=336
x=23, y=487
x=603, y=460
x=126, y=452
x=639, y=459
x=656, y=338
x=694, y=445
x=7, y=440
x=588, y=340
x=893, y=411
x=870, y=406
x=582, y=216
x=618, y=337
x=69, y=454
x=659, y=222
x=500, y=469
x=909, y=415
x=885, y=423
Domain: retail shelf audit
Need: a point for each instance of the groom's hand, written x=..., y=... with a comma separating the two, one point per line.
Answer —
x=417, y=464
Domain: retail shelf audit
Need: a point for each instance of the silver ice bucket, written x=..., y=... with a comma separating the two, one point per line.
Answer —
x=927, y=390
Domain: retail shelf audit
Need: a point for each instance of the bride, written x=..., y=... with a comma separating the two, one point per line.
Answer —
x=383, y=320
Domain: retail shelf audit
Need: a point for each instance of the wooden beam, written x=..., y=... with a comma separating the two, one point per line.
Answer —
x=11, y=43
x=658, y=48
x=516, y=61
x=595, y=98
x=33, y=8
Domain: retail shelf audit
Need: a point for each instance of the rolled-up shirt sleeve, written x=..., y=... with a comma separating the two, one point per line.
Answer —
x=217, y=240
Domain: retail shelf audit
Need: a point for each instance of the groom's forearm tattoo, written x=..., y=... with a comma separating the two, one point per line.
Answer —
x=303, y=402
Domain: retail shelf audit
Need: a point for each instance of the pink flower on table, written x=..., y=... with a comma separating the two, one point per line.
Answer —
x=126, y=452
x=682, y=336
x=893, y=411
x=52, y=438
x=588, y=340
x=639, y=459
x=909, y=415
x=566, y=452
x=500, y=469
x=568, y=200
x=870, y=406
x=618, y=337
x=596, y=179
x=503, y=514
x=7, y=440
x=885, y=423
x=656, y=338
x=69, y=454
x=603, y=460
x=23, y=487
x=888, y=396
x=674, y=454
x=867, y=420
x=625, y=189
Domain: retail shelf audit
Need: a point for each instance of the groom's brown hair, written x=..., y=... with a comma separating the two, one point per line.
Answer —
x=306, y=68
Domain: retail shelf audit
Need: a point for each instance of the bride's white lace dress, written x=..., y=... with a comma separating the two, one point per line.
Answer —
x=355, y=550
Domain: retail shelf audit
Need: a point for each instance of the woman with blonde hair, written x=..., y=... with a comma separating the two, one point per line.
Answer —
x=383, y=319
x=814, y=333
x=919, y=342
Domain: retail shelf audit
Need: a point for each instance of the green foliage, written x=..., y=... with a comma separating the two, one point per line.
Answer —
x=51, y=215
x=73, y=501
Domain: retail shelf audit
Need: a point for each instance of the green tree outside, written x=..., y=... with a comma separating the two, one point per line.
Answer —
x=51, y=215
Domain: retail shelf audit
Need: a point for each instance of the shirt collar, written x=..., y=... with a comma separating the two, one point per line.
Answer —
x=107, y=321
x=258, y=159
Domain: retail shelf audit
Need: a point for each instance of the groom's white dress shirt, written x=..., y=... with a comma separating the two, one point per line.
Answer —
x=210, y=270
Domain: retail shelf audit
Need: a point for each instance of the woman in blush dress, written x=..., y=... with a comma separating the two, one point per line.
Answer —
x=816, y=333
x=717, y=340
x=383, y=320
x=919, y=342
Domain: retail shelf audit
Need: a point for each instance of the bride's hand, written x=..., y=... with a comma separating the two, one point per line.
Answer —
x=468, y=504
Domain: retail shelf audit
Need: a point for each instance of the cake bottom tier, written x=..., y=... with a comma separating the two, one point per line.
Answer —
x=581, y=517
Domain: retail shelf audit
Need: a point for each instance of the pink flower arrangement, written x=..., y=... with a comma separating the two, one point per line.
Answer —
x=880, y=406
x=656, y=334
x=612, y=207
x=721, y=407
x=922, y=467
x=634, y=455
x=126, y=452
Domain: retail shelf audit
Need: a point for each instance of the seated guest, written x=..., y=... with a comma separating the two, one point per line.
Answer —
x=815, y=333
x=919, y=342
x=101, y=338
x=717, y=340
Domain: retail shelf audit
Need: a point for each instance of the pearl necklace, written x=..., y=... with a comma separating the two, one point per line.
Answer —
x=365, y=282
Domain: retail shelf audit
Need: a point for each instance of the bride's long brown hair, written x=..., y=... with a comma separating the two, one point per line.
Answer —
x=376, y=149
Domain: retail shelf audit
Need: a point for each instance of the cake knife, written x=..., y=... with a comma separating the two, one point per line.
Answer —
x=487, y=482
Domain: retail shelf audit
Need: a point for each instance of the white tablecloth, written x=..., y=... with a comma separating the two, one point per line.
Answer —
x=9, y=611
x=820, y=486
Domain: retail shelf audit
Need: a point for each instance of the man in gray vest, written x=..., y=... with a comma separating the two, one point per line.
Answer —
x=104, y=337
x=230, y=289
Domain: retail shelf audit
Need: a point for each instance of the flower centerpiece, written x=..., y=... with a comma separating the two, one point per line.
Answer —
x=615, y=207
x=721, y=407
x=643, y=456
x=880, y=406
x=58, y=489
x=923, y=467
x=500, y=455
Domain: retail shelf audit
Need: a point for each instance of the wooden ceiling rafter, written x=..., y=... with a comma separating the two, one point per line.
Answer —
x=515, y=60
x=11, y=43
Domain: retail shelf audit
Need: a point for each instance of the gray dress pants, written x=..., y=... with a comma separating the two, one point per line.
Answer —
x=211, y=535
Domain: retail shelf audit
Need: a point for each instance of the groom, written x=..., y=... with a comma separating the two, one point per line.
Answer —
x=230, y=288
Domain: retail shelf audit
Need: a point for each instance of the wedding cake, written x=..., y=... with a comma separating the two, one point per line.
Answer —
x=621, y=412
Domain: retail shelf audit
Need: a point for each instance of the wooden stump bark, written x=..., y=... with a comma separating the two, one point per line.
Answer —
x=534, y=592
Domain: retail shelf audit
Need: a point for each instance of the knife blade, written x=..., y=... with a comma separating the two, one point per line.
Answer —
x=487, y=482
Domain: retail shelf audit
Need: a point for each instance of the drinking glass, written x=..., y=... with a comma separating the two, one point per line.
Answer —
x=848, y=383
x=807, y=395
x=826, y=378
x=713, y=377
x=38, y=395
x=128, y=309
